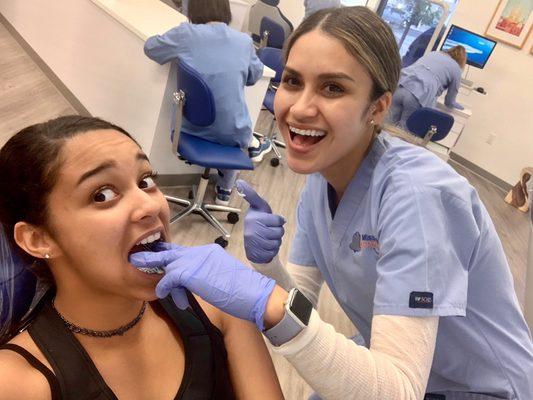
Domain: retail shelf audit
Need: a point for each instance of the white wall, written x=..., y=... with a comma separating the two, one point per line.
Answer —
x=507, y=109
x=99, y=61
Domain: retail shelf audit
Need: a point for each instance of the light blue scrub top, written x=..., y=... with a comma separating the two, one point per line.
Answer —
x=312, y=6
x=429, y=76
x=409, y=223
x=227, y=61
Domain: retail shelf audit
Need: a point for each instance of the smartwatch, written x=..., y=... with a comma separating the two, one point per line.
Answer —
x=297, y=313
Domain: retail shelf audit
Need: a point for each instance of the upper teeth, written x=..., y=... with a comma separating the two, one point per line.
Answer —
x=307, y=132
x=151, y=238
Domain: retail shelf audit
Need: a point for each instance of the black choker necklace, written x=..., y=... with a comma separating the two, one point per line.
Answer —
x=101, y=334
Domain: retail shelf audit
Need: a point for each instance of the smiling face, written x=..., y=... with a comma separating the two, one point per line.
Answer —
x=105, y=202
x=323, y=107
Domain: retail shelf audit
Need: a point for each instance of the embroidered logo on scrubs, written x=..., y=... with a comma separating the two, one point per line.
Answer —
x=364, y=241
x=421, y=300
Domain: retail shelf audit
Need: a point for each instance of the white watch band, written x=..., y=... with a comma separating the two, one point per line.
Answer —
x=288, y=327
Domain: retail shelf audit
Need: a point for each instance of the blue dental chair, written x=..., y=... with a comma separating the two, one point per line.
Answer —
x=194, y=101
x=18, y=286
x=271, y=34
x=270, y=9
x=429, y=124
x=272, y=58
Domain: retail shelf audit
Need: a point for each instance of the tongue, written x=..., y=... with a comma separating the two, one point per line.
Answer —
x=302, y=140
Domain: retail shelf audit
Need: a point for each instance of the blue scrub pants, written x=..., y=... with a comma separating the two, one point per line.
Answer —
x=404, y=103
x=226, y=178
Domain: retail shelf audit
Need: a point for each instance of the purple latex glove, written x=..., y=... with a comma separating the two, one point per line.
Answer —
x=263, y=230
x=211, y=273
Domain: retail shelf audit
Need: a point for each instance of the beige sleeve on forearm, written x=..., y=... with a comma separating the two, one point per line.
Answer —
x=308, y=279
x=396, y=367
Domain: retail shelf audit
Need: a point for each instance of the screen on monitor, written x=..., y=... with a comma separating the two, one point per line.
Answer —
x=478, y=48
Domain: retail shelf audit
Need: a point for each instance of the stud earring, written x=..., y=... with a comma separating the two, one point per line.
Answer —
x=372, y=122
x=47, y=256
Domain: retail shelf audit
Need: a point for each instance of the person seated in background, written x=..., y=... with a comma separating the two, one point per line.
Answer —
x=424, y=81
x=77, y=199
x=226, y=60
x=312, y=6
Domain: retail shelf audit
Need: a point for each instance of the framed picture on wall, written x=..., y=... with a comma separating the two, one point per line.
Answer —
x=511, y=22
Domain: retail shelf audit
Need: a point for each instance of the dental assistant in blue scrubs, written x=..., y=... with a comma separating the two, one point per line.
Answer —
x=403, y=242
x=424, y=81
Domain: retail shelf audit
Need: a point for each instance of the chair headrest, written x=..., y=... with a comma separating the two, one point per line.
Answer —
x=420, y=122
x=273, y=3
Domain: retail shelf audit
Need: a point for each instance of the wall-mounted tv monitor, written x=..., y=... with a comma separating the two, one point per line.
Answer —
x=478, y=48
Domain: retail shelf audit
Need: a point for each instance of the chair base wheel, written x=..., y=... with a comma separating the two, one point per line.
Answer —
x=233, y=218
x=274, y=162
x=221, y=242
x=190, y=195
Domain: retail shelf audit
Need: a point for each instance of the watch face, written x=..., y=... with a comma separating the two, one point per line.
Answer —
x=301, y=307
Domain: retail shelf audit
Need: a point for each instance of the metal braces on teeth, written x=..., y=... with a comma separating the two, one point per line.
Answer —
x=152, y=271
x=155, y=270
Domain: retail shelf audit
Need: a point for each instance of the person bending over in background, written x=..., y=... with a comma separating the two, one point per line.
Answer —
x=226, y=60
x=424, y=81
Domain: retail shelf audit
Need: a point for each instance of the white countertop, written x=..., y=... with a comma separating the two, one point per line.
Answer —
x=143, y=17
x=146, y=18
x=465, y=113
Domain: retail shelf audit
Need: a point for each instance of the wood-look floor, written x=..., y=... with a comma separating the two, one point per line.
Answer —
x=27, y=96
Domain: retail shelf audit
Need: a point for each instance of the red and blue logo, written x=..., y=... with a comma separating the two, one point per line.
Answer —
x=364, y=241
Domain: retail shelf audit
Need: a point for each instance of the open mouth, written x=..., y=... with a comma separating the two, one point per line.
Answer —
x=306, y=137
x=148, y=244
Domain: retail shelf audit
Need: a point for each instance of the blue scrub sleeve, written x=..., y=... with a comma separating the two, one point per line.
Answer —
x=427, y=238
x=300, y=252
x=255, y=69
x=453, y=89
x=166, y=47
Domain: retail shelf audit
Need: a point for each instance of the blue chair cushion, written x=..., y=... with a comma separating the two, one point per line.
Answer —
x=207, y=154
x=420, y=121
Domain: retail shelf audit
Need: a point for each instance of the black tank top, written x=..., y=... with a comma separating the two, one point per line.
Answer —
x=76, y=377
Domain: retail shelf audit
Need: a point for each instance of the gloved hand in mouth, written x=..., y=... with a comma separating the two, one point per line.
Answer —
x=211, y=273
